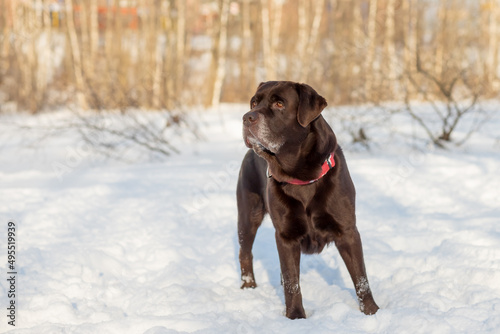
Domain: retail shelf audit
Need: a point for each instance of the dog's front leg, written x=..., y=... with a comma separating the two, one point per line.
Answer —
x=289, y=254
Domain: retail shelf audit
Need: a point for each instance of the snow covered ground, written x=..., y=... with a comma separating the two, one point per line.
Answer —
x=108, y=247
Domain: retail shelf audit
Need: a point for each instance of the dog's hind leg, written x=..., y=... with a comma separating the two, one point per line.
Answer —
x=351, y=251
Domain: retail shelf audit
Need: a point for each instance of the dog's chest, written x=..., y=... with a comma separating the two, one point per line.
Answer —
x=304, y=216
x=321, y=229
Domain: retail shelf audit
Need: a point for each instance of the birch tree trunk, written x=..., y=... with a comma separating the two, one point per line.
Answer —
x=169, y=63
x=180, y=45
x=319, y=6
x=25, y=26
x=6, y=17
x=85, y=41
x=44, y=56
x=246, y=49
x=142, y=70
x=159, y=51
x=354, y=64
x=440, y=40
x=389, y=43
x=75, y=53
x=277, y=6
x=370, y=55
x=220, y=72
x=302, y=37
x=108, y=32
x=4, y=52
x=410, y=36
x=493, y=54
x=266, y=41
x=93, y=35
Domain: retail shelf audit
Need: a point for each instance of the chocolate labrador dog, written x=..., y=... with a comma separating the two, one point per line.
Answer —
x=296, y=172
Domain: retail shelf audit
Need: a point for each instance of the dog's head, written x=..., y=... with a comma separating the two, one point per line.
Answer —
x=281, y=112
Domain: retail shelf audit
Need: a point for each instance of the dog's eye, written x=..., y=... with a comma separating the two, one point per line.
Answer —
x=253, y=104
x=279, y=105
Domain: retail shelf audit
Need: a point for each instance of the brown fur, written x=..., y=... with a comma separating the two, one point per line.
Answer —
x=288, y=135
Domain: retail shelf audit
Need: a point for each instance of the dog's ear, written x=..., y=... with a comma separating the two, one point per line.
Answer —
x=311, y=104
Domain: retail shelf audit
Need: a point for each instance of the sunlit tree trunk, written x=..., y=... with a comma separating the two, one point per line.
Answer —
x=301, y=36
x=266, y=41
x=354, y=54
x=440, y=39
x=27, y=28
x=87, y=65
x=246, y=75
x=220, y=66
x=389, y=44
x=277, y=10
x=319, y=6
x=76, y=56
x=493, y=54
x=181, y=45
x=170, y=61
x=410, y=35
x=370, y=54
x=93, y=34
x=159, y=57
x=108, y=32
x=44, y=55
x=6, y=24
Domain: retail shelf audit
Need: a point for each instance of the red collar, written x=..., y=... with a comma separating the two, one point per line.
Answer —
x=327, y=165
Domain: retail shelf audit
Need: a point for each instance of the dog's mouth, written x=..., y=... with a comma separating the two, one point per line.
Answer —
x=252, y=142
x=265, y=150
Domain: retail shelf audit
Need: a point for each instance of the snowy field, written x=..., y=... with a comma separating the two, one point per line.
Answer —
x=109, y=247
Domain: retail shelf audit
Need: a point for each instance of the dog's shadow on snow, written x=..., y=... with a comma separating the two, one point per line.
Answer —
x=265, y=258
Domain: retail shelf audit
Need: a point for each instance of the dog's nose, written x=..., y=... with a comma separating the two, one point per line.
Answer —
x=249, y=118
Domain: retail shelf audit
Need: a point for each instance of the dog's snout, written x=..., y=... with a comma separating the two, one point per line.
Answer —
x=250, y=117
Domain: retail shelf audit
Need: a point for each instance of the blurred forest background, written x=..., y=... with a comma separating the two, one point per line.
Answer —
x=156, y=54
x=171, y=54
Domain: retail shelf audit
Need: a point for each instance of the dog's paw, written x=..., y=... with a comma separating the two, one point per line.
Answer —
x=368, y=307
x=247, y=285
x=248, y=282
x=297, y=313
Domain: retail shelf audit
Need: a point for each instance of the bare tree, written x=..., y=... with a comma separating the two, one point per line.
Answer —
x=6, y=15
x=301, y=35
x=93, y=33
x=246, y=62
x=128, y=135
x=493, y=32
x=370, y=55
x=390, y=47
x=27, y=29
x=441, y=35
x=170, y=62
x=266, y=41
x=180, y=45
x=311, y=45
x=449, y=110
x=277, y=11
x=159, y=58
x=75, y=52
x=145, y=54
x=220, y=61
x=410, y=35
